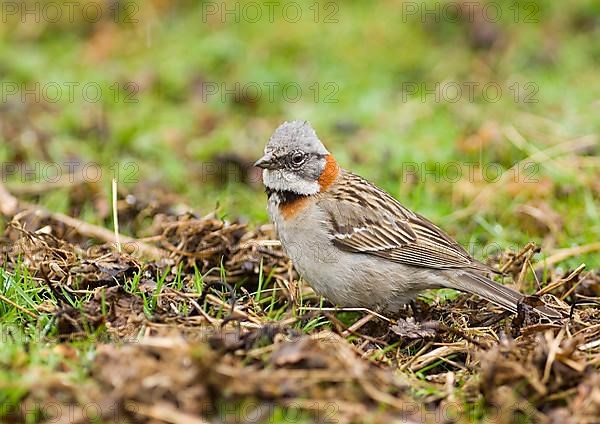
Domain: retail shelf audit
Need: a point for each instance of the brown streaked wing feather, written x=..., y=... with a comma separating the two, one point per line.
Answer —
x=368, y=237
x=373, y=222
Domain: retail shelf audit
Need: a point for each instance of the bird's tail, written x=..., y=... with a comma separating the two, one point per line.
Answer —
x=498, y=294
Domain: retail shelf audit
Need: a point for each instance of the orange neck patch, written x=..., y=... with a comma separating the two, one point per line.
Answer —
x=289, y=210
x=329, y=174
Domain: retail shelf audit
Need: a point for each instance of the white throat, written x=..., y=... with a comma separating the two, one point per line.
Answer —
x=283, y=180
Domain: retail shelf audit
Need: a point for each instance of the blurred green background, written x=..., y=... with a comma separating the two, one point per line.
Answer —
x=178, y=98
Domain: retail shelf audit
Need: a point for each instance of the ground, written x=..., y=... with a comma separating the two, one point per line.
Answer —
x=488, y=126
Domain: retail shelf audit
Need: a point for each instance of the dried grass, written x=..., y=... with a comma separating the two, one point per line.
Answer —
x=176, y=366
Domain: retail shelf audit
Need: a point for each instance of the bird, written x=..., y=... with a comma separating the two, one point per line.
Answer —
x=354, y=243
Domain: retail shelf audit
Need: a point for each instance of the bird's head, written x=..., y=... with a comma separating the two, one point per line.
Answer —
x=295, y=160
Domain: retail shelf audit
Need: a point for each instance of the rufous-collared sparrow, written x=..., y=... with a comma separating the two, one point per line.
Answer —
x=354, y=243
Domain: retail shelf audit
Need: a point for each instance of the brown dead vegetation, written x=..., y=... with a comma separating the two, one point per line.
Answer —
x=197, y=351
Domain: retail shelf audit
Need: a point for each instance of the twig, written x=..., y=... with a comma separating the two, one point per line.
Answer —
x=553, y=348
x=19, y=307
x=116, y=215
x=435, y=354
x=417, y=355
x=530, y=245
x=163, y=412
x=357, y=325
x=562, y=254
x=9, y=206
x=130, y=244
x=561, y=282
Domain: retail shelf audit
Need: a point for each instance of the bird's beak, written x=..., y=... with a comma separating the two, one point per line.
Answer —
x=266, y=162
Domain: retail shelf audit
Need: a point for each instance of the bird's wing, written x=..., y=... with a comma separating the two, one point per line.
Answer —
x=371, y=221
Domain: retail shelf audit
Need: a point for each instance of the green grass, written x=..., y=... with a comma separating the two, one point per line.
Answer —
x=27, y=346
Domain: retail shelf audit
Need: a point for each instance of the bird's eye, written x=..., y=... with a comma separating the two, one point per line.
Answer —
x=298, y=158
